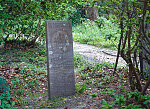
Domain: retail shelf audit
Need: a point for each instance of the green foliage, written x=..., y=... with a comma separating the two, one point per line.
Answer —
x=26, y=20
x=100, y=21
x=3, y=84
x=105, y=105
x=79, y=60
x=5, y=100
x=70, y=12
x=1, y=41
x=5, y=96
x=104, y=64
x=28, y=80
x=29, y=77
x=123, y=99
x=80, y=88
x=90, y=33
x=83, y=76
x=120, y=100
x=94, y=94
x=132, y=106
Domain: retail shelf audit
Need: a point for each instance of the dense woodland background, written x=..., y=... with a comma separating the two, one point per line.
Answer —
x=121, y=25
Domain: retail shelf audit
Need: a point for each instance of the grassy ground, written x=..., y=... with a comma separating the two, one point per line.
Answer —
x=24, y=71
x=107, y=35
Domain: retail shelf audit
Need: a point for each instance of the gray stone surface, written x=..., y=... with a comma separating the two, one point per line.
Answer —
x=60, y=63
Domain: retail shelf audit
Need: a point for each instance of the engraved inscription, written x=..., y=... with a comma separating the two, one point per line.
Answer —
x=60, y=42
x=60, y=63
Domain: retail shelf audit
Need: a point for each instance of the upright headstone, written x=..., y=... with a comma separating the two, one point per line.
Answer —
x=60, y=64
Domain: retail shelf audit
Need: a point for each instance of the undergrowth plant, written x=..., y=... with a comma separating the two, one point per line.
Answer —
x=5, y=96
x=79, y=61
x=127, y=100
x=89, y=32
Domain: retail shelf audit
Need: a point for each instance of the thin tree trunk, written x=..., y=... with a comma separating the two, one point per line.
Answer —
x=121, y=38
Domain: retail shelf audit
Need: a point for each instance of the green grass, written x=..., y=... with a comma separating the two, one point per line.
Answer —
x=106, y=36
x=80, y=62
x=28, y=78
x=30, y=65
x=30, y=73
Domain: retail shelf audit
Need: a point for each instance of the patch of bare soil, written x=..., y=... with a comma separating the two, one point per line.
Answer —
x=93, y=54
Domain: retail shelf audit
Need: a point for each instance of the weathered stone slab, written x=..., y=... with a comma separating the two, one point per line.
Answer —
x=60, y=64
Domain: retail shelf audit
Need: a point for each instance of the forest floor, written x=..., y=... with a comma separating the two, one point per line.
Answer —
x=96, y=86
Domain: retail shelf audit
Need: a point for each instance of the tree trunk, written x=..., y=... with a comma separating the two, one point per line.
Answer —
x=92, y=13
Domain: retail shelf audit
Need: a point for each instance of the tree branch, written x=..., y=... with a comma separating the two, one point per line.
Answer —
x=137, y=40
x=121, y=37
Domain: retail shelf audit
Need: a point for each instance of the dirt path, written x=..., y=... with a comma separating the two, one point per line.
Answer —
x=93, y=54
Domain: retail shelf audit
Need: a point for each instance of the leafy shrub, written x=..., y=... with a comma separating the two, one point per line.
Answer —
x=102, y=33
x=5, y=96
x=5, y=100
x=3, y=86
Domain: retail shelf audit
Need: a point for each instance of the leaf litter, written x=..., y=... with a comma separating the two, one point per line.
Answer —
x=96, y=87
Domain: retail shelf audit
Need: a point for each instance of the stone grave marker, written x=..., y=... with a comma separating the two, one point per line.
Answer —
x=60, y=64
